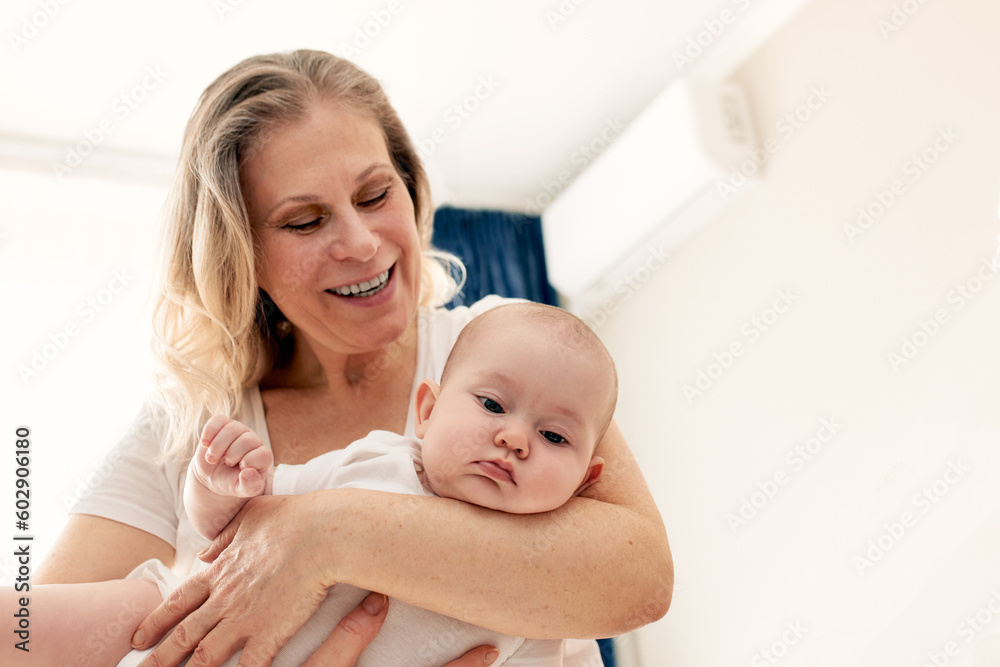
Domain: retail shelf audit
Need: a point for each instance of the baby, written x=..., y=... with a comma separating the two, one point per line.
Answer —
x=527, y=393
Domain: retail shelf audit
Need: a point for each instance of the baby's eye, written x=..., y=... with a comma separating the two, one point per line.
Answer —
x=553, y=437
x=491, y=405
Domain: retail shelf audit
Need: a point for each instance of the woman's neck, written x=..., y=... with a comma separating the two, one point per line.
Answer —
x=315, y=367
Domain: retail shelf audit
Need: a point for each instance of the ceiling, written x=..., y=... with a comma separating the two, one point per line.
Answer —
x=536, y=81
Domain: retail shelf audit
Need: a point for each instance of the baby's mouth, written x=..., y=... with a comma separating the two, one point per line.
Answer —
x=498, y=469
x=364, y=289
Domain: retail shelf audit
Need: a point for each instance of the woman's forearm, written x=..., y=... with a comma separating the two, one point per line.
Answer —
x=92, y=548
x=543, y=576
x=599, y=566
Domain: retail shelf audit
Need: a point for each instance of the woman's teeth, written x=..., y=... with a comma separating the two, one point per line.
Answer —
x=366, y=288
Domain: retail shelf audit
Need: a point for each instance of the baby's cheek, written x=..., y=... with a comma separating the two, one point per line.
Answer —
x=438, y=478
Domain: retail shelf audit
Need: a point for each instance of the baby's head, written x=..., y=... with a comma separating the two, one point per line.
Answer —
x=526, y=395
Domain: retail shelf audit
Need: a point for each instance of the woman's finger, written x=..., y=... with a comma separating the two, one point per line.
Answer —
x=212, y=650
x=353, y=634
x=260, y=592
x=481, y=656
x=188, y=597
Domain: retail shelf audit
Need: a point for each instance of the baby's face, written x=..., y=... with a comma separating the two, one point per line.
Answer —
x=515, y=425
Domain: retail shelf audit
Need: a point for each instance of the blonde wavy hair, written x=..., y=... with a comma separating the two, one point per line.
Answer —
x=214, y=332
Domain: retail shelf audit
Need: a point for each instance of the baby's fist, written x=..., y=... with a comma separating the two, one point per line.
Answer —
x=231, y=459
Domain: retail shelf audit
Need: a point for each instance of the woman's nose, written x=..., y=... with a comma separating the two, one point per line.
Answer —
x=353, y=239
x=514, y=438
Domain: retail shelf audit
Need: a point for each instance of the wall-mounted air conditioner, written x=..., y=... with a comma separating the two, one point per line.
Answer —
x=672, y=170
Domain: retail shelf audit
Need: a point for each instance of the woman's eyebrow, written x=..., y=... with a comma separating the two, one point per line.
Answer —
x=372, y=168
x=306, y=199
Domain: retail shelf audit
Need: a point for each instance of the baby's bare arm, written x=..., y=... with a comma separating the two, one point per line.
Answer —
x=75, y=624
x=231, y=465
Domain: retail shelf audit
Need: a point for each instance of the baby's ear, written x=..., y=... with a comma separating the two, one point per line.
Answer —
x=593, y=474
x=427, y=394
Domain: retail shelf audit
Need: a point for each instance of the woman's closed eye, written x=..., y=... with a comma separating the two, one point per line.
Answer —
x=304, y=218
x=371, y=202
x=304, y=226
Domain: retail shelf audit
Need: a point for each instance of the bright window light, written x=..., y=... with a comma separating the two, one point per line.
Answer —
x=76, y=262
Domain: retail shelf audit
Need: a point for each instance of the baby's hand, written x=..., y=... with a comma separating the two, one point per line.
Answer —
x=231, y=459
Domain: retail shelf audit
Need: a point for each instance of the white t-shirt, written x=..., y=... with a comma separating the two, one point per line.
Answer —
x=150, y=496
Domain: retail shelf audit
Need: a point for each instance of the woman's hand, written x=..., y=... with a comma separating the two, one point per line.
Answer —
x=261, y=589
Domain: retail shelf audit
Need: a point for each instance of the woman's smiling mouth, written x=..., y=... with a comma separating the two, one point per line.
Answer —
x=364, y=289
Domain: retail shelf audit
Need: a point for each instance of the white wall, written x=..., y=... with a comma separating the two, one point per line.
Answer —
x=898, y=429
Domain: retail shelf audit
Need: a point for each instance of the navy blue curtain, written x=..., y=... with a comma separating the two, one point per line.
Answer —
x=503, y=254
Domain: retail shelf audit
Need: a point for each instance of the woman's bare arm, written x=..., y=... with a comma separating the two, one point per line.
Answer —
x=599, y=566
x=92, y=548
x=77, y=624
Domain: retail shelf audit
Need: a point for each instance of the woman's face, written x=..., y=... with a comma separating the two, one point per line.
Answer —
x=337, y=244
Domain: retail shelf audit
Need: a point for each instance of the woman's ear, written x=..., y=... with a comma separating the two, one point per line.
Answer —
x=427, y=394
x=593, y=474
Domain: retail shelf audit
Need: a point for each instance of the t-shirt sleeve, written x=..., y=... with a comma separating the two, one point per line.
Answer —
x=133, y=488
